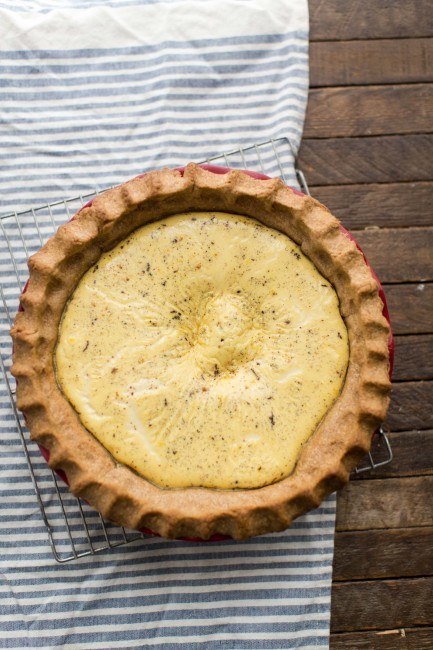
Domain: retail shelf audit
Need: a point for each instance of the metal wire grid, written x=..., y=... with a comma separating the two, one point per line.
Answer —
x=74, y=529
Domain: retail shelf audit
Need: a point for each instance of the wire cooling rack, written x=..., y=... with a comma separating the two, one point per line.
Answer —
x=74, y=529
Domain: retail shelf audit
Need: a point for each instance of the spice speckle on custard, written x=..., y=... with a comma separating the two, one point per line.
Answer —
x=181, y=360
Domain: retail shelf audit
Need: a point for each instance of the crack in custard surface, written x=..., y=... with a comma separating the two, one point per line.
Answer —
x=203, y=350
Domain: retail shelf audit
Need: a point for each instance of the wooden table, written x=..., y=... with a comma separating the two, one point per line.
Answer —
x=368, y=155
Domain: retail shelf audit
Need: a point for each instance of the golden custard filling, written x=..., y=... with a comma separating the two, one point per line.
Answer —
x=203, y=350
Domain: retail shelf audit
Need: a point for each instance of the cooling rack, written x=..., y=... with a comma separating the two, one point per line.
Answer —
x=73, y=528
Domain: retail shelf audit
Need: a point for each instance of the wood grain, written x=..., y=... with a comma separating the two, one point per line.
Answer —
x=397, y=639
x=369, y=110
x=402, y=255
x=385, y=205
x=337, y=20
x=385, y=159
x=411, y=308
x=413, y=455
x=382, y=604
x=348, y=63
x=411, y=406
x=386, y=503
x=383, y=554
x=368, y=156
x=413, y=357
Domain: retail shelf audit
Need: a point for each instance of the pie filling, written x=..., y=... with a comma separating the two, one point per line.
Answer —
x=203, y=350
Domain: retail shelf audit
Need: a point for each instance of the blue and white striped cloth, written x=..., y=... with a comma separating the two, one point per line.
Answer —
x=91, y=95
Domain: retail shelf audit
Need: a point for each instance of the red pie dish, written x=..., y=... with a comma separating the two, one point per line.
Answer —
x=202, y=353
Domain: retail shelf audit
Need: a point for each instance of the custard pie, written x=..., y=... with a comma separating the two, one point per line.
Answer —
x=202, y=353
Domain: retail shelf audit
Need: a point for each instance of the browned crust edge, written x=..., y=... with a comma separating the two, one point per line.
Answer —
x=119, y=494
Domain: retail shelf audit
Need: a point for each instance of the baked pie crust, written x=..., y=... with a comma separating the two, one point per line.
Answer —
x=122, y=495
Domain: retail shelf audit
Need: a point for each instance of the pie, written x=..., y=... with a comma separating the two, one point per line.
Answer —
x=202, y=354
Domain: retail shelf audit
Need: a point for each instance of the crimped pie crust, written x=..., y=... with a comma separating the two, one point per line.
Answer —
x=340, y=441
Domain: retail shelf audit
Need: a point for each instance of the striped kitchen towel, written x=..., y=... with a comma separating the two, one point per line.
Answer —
x=92, y=93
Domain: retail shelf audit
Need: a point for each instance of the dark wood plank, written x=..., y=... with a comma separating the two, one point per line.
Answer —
x=386, y=503
x=382, y=604
x=411, y=406
x=413, y=455
x=402, y=552
x=402, y=255
x=413, y=357
x=399, y=639
x=348, y=63
x=369, y=110
x=337, y=20
x=385, y=205
x=411, y=308
x=385, y=159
